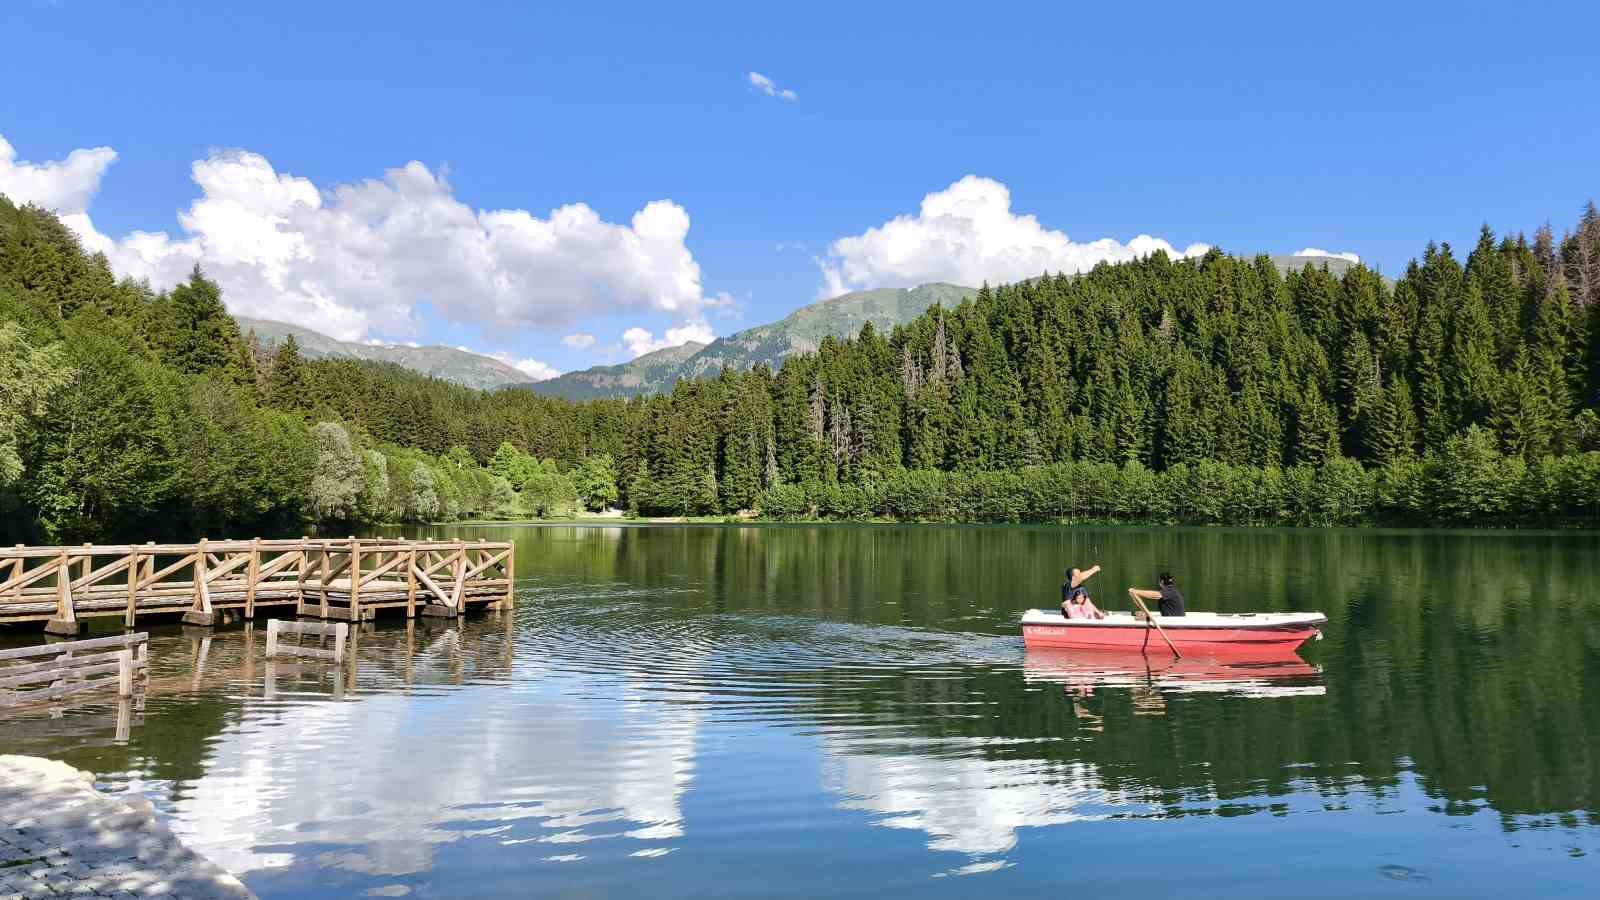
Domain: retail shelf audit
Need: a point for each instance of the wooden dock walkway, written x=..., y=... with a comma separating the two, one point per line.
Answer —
x=210, y=581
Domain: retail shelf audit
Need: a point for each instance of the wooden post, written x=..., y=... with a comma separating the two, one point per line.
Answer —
x=252, y=574
x=338, y=644
x=133, y=589
x=125, y=673
x=355, y=580
x=411, y=582
x=66, y=620
x=124, y=720
x=511, y=576
x=324, y=581
x=461, y=578
x=272, y=638
x=301, y=565
x=202, y=613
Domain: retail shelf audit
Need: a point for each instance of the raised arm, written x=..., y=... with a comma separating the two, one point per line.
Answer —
x=1085, y=575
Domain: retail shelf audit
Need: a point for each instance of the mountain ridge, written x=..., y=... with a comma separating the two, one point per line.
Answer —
x=436, y=360
x=801, y=331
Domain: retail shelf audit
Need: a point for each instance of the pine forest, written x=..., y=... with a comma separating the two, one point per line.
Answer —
x=1208, y=391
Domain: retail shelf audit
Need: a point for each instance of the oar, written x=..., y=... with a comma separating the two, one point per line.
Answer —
x=1152, y=621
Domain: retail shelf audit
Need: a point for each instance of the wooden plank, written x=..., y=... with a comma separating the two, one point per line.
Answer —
x=434, y=589
x=285, y=626
x=125, y=674
x=202, y=593
x=252, y=578
x=411, y=585
x=120, y=640
x=479, y=567
x=398, y=558
x=324, y=580
x=282, y=562
x=61, y=690
x=88, y=659
x=154, y=577
x=64, y=589
x=61, y=673
x=88, y=578
x=133, y=590
x=238, y=562
x=355, y=581
x=35, y=574
x=313, y=652
x=461, y=577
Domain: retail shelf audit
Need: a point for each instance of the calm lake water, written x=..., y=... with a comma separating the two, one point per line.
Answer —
x=849, y=711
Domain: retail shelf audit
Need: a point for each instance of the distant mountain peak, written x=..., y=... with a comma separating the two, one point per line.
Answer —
x=445, y=363
x=801, y=331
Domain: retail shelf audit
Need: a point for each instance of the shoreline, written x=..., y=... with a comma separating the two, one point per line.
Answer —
x=61, y=836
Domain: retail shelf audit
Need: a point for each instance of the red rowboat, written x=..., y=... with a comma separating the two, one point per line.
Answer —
x=1209, y=633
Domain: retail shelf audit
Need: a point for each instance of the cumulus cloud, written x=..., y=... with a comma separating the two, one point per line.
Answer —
x=354, y=258
x=769, y=87
x=65, y=186
x=967, y=234
x=639, y=341
x=1313, y=251
x=533, y=368
x=579, y=341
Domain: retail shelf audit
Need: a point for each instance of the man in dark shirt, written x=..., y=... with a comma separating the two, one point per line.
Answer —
x=1171, y=599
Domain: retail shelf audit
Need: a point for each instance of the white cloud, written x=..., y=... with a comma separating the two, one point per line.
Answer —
x=769, y=87
x=532, y=368
x=66, y=186
x=579, y=341
x=1313, y=251
x=639, y=341
x=354, y=258
x=967, y=234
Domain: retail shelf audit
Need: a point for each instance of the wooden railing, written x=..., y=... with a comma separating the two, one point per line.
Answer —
x=339, y=579
x=71, y=667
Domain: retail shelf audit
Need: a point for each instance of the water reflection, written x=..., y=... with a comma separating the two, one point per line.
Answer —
x=686, y=706
x=377, y=786
x=1081, y=672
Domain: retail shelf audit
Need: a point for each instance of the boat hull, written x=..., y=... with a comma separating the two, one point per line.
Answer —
x=1210, y=633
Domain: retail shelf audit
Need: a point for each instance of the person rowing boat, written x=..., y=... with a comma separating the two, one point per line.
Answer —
x=1171, y=599
x=1075, y=602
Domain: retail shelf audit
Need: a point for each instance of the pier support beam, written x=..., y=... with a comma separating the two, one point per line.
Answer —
x=438, y=611
x=66, y=627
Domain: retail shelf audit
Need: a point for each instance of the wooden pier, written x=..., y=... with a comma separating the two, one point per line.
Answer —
x=209, y=581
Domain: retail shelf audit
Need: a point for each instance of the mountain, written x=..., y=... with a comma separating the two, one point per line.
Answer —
x=444, y=363
x=1336, y=265
x=656, y=371
x=800, y=332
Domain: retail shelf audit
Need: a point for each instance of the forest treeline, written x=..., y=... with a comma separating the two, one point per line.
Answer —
x=1207, y=390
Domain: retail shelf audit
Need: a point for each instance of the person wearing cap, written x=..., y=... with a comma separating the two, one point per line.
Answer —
x=1171, y=599
x=1075, y=602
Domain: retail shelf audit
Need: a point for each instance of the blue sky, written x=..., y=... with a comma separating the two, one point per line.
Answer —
x=1357, y=128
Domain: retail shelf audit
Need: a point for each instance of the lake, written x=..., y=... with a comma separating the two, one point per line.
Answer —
x=802, y=711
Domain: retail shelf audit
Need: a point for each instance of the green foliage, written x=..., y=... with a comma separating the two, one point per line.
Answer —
x=596, y=482
x=101, y=461
x=1212, y=390
x=338, y=477
x=28, y=375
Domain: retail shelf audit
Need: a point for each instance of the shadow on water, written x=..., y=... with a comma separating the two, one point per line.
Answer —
x=697, y=705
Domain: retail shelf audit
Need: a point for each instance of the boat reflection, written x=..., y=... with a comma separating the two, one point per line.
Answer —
x=1080, y=672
